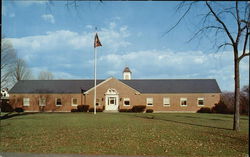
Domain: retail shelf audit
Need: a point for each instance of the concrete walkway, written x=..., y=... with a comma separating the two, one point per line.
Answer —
x=8, y=154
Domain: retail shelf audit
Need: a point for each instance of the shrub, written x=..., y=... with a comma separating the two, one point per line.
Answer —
x=149, y=111
x=91, y=109
x=140, y=108
x=97, y=109
x=204, y=110
x=19, y=109
x=221, y=107
x=129, y=110
x=74, y=110
x=125, y=110
x=5, y=106
x=83, y=108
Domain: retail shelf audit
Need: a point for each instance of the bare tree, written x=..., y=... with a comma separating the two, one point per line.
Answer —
x=235, y=31
x=8, y=58
x=45, y=75
x=21, y=71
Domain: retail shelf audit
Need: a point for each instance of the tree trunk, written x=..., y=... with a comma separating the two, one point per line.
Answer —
x=236, y=124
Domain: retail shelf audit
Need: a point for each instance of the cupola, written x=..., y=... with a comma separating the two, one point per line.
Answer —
x=127, y=74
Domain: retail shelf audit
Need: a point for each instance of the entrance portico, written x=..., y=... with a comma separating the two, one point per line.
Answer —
x=111, y=100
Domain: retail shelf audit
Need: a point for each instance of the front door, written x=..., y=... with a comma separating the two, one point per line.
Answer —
x=112, y=100
x=112, y=104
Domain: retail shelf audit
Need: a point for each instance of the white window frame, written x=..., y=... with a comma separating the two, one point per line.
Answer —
x=56, y=101
x=198, y=101
x=183, y=99
x=40, y=102
x=126, y=99
x=164, y=101
x=150, y=100
x=72, y=102
x=25, y=100
x=98, y=102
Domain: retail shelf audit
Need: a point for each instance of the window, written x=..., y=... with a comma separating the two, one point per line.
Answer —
x=74, y=102
x=42, y=101
x=126, y=102
x=97, y=102
x=200, y=101
x=58, y=102
x=166, y=102
x=183, y=101
x=112, y=101
x=149, y=101
x=26, y=101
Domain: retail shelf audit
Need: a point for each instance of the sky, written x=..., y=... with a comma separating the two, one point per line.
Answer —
x=58, y=36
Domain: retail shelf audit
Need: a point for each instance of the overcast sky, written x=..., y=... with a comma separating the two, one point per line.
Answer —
x=59, y=38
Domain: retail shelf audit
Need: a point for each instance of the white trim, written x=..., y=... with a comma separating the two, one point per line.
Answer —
x=40, y=102
x=126, y=99
x=98, y=85
x=98, y=102
x=56, y=101
x=164, y=98
x=26, y=101
x=72, y=102
x=198, y=101
x=111, y=93
x=147, y=101
x=183, y=99
x=126, y=75
x=136, y=92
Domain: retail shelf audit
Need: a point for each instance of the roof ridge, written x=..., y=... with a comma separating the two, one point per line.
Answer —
x=169, y=79
x=121, y=79
x=64, y=80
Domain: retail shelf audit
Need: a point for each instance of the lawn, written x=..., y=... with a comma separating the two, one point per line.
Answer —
x=164, y=134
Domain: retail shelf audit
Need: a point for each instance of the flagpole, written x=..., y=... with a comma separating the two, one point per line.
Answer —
x=95, y=81
x=96, y=44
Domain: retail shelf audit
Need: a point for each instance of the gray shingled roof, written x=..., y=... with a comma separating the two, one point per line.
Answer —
x=143, y=86
x=174, y=85
x=52, y=86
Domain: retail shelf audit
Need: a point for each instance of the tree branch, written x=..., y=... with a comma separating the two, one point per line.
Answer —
x=222, y=23
x=230, y=12
x=238, y=23
x=244, y=55
x=189, y=7
x=243, y=28
x=203, y=29
x=245, y=45
x=225, y=44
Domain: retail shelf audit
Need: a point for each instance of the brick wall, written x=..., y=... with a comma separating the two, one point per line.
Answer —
x=16, y=100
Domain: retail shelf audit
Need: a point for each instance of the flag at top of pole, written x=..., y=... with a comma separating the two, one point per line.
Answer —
x=97, y=41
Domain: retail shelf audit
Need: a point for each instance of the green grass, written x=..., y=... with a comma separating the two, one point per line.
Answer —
x=168, y=134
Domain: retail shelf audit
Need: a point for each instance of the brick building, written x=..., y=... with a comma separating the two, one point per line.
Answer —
x=161, y=95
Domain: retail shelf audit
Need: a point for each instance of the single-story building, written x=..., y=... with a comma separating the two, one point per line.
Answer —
x=161, y=95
